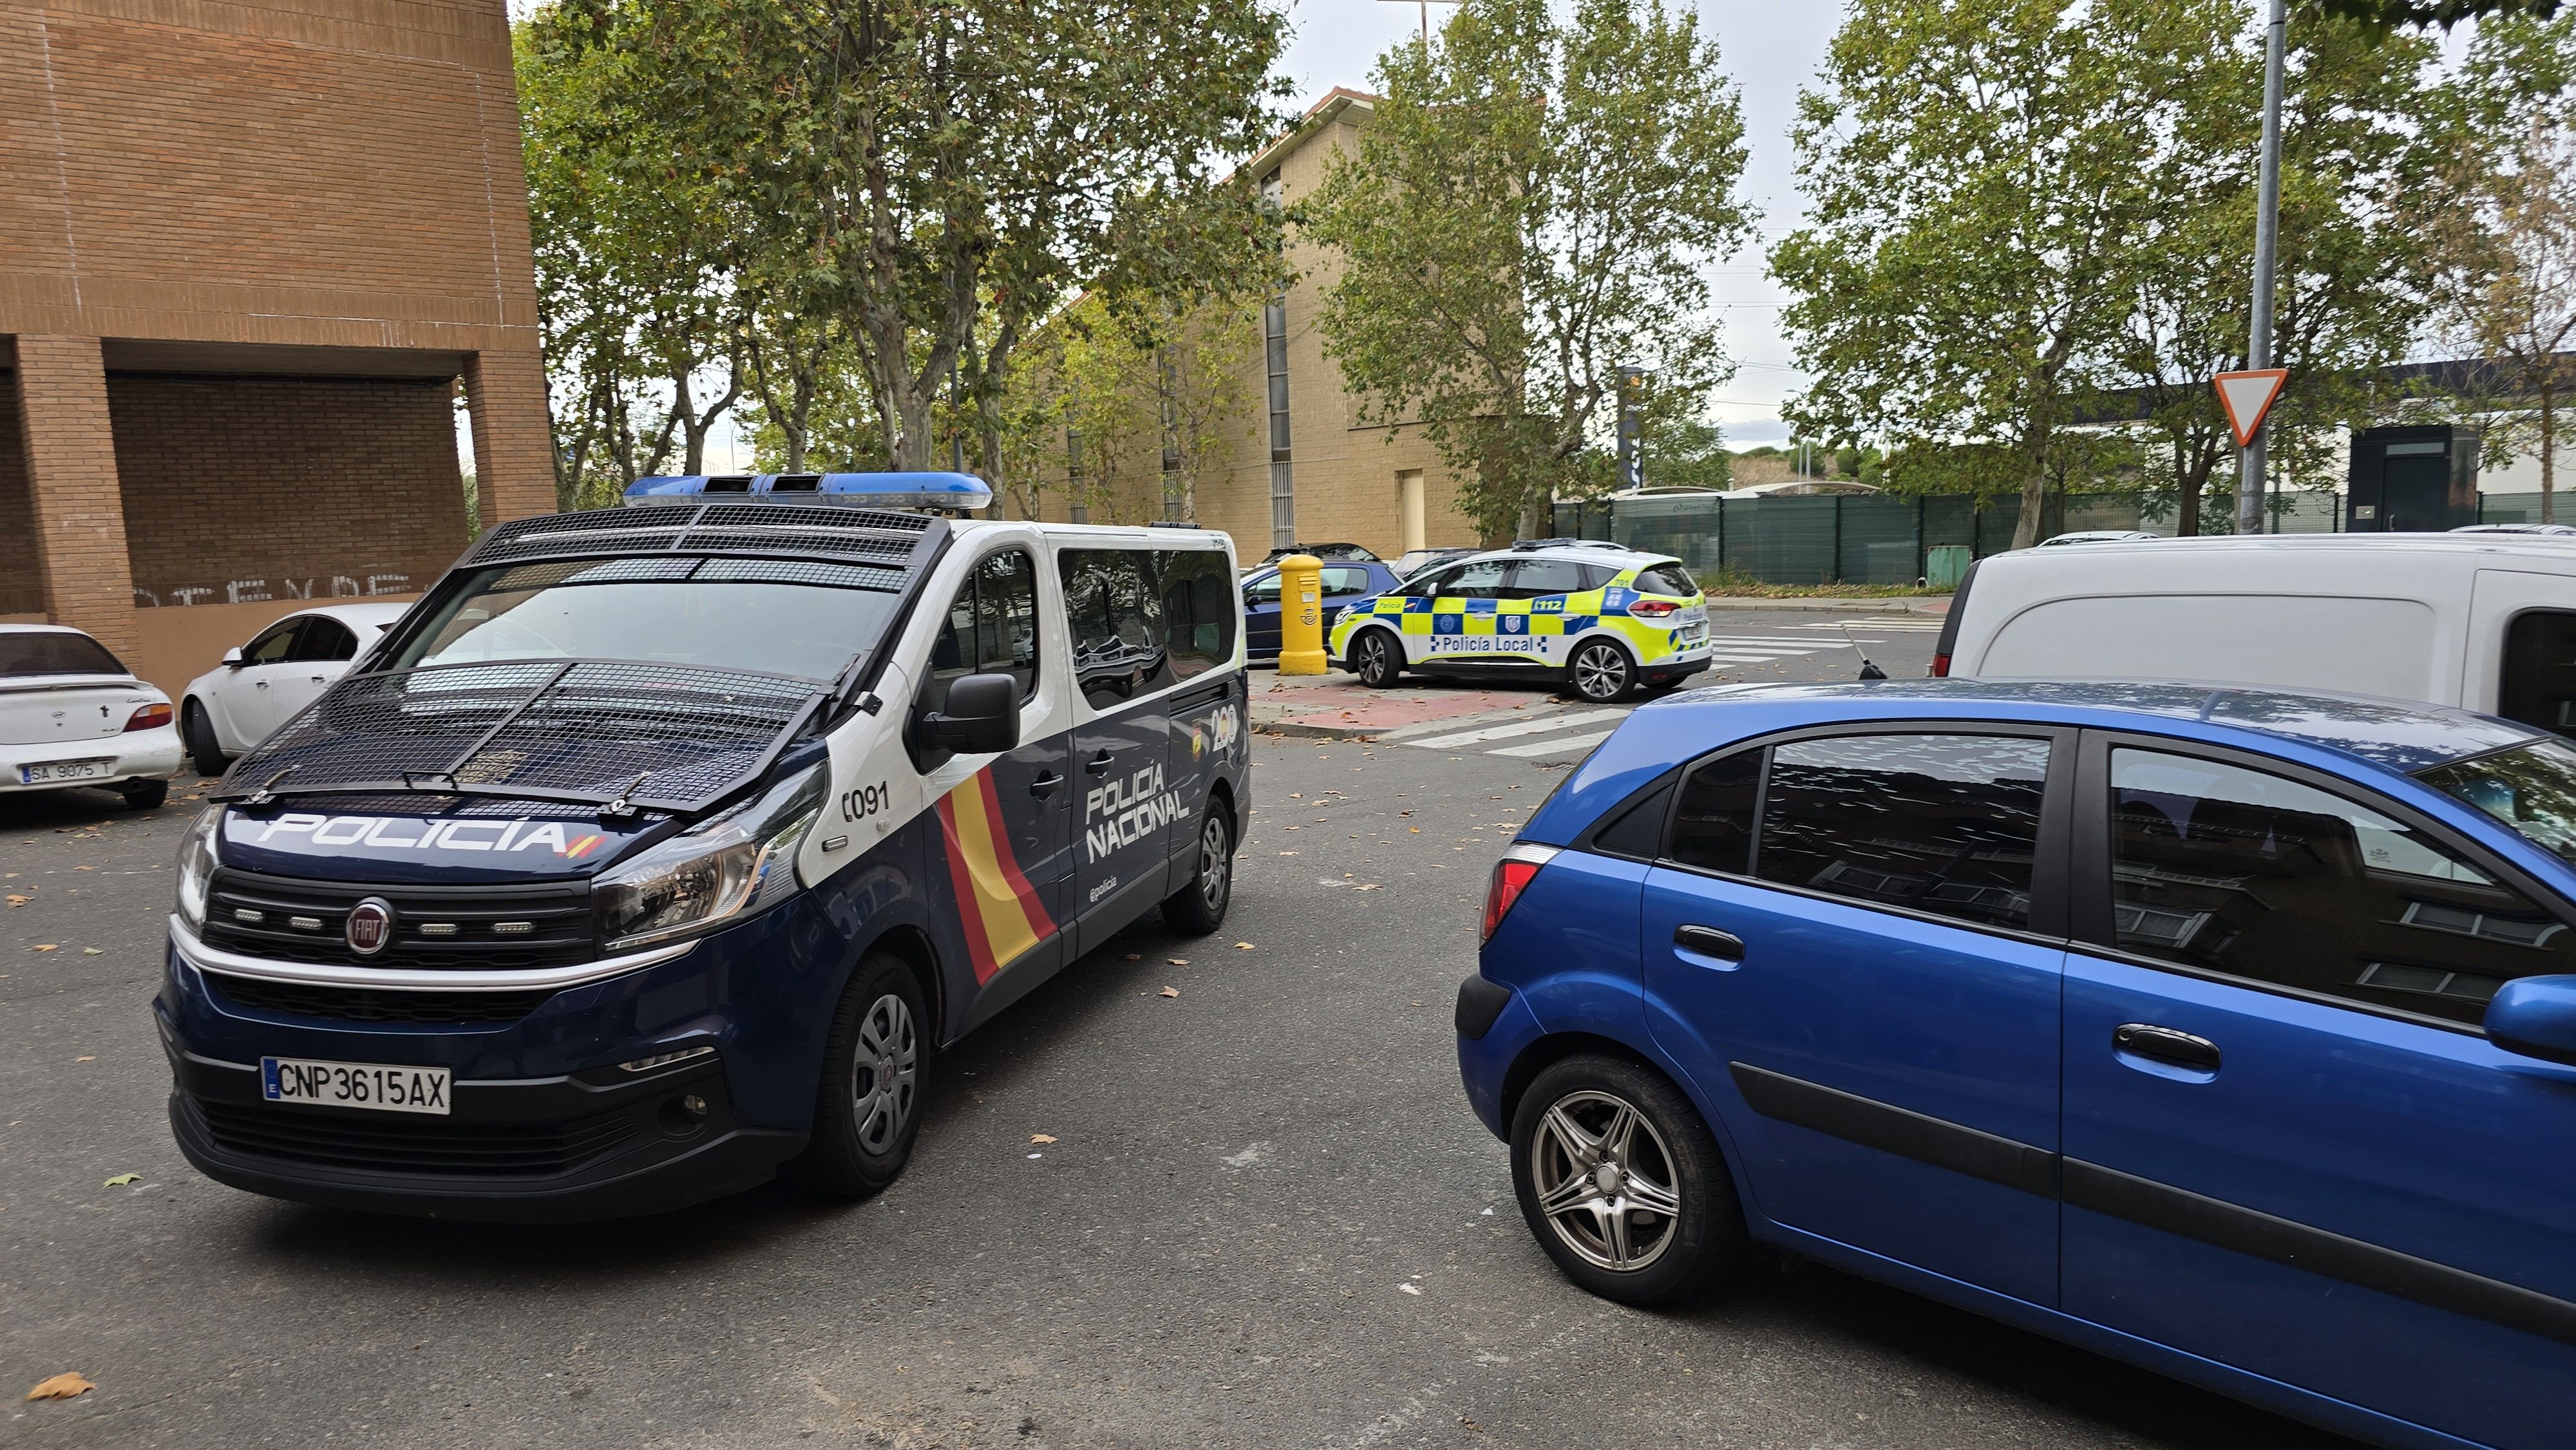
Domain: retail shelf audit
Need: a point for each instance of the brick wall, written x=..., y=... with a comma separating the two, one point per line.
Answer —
x=239, y=490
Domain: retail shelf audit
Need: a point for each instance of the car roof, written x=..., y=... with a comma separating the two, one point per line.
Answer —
x=1584, y=553
x=42, y=629
x=2369, y=734
x=2549, y=546
x=368, y=613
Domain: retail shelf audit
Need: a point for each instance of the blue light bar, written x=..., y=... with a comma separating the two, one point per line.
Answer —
x=944, y=492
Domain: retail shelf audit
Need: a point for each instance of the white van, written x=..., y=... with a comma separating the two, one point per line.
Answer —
x=2485, y=621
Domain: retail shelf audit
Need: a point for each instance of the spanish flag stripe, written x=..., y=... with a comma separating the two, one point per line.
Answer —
x=978, y=949
x=1035, y=909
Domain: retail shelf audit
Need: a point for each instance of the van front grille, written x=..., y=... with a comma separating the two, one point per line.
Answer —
x=513, y=927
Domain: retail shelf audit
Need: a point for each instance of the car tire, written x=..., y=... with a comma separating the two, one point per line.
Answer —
x=1199, y=907
x=204, y=751
x=1377, y=657
x=1600, y=673
x=144, y=795
x=868, y=1107
x=1590, y=1111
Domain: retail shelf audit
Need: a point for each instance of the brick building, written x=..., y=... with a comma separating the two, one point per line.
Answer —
x=1307, y=468
x=247, y=253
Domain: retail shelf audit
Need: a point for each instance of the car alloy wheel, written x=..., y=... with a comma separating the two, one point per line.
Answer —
x=1377, y=657
x=885, y=1074
x=1601, y=672
x=1606, y=1181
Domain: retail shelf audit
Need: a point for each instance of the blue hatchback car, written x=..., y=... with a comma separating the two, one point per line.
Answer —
x=2223, y=1031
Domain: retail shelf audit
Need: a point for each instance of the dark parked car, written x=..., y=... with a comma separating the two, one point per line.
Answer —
x=1329, y=553
x=1343, y=583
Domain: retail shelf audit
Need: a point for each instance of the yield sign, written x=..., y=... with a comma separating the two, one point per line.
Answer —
x=2247, y=397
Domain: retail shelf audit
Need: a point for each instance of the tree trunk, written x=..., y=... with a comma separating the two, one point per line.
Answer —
x=2034, y=497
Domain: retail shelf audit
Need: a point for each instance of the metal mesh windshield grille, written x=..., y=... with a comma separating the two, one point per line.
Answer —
x=896, y=540
x=668, y=737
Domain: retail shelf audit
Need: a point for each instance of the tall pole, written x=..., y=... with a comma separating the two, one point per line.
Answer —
x=2267, y=228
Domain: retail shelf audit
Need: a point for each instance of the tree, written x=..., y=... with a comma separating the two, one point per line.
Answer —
x=1533, y=204
x=1978, y=172
x=937, y=175
x=1129, y=415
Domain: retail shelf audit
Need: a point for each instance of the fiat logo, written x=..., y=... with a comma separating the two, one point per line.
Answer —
x=371, y=925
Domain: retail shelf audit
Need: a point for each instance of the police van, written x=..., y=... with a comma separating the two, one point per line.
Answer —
x=655, y=849
x=1606, y=620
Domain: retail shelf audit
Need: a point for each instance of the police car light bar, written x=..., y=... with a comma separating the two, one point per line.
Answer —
x=943, y=492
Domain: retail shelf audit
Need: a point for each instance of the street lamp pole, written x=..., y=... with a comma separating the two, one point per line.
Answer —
x=2267, y=227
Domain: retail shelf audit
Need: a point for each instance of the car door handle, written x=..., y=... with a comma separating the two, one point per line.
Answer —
x=262, y=684
x=1708, y=941
x=1099, y=764
x=2165, y=1044
x=1045, y=785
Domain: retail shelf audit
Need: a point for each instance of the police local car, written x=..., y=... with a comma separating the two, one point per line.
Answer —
x=656, y=848
x=1604, y=619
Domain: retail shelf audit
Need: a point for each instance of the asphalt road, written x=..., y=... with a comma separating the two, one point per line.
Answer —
x=1267, y=1219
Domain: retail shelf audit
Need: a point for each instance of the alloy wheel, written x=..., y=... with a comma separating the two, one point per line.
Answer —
x=1216, y=865
x=885, y=1073
x=1600, y=672
x=1605, y=1181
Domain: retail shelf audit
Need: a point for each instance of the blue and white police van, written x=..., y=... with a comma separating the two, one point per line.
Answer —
x=652, y=853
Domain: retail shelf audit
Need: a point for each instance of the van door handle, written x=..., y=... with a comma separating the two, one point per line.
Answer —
x=1045, y=785
x=1099, y=764
x=1708, y=941
x=2165, y=1044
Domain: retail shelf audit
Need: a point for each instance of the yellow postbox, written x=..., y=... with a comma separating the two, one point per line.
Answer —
x=1301, y=615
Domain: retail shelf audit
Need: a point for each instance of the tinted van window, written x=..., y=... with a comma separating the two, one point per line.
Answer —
x=1115, y=613
x=1939, y=823
x=1198, y=608
x=992, y=626
x=2245, y=872
x=2538, y=683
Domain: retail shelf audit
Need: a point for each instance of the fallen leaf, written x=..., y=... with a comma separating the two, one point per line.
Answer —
x=1417, y=830
x=84, y=1059
x=84, y=868
x=1178, y=961
x=1287, y=853
x=1372, y=886
x=47, y=946
x=1171, y=991
x=1243, y=946
x=1041, y=1137
x=61, y=1387
x=17, y=899
x=1409, y=1289
x=122, y=1179
x=92, y=952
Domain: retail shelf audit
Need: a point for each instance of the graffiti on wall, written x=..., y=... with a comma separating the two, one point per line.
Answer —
x=257, y=591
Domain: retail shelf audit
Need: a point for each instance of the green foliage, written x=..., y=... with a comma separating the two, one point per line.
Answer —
x=1532, y=205
x=1685, y=453
x=1128, y=415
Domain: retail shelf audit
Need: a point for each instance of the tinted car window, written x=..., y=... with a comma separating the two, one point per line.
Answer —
x=1345, y=581
x=1714, y=827
x=48, y=653
x=325, y=639
x=2245, y=872
x=274, y=646
x=992, y=626
x=1198, y=608
x=1939, y=823
x=1668, y=579
x=2538, y=683
x=1116, y=616
x=1533, y=577
x=2531, y=788
x=1264, y=590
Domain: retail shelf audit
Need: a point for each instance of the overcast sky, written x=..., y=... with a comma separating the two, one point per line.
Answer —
x=1770, y=51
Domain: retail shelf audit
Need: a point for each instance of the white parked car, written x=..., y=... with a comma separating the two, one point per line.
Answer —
x=284, y=668
x=72, y=714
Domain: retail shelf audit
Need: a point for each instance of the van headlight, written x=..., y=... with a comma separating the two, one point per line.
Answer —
x=738, y=864
x=197, y=862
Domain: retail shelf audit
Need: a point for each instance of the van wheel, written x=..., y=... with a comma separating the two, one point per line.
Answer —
x=1376, y=658
x=1199, y=908
x=867, y=1111
x=1622, y=1183
x=204, y=751
x=1600, y=672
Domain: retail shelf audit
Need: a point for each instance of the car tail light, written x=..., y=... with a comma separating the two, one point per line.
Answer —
x=150, y=717
x=1940, y=667
x=1512, y=876
x=1651, y=608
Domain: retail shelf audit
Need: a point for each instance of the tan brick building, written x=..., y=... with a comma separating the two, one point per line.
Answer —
x=247, y=253
x=1308, y=469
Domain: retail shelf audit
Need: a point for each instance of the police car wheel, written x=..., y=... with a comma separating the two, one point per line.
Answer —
x=1199, y=908
x=1622, y=1184
x=1380, y=658
x=1601, y=672
x=198, y=732
x=868, y=1110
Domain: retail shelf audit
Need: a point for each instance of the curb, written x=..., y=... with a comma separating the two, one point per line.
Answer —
x=1911, y=604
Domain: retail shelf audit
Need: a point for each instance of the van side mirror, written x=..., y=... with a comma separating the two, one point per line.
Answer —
x=980, y=717
x=233, y=657
x=2535, y=1016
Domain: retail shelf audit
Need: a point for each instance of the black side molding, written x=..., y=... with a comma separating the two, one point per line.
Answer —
x=1479, y=1003
x=1896, y=1130
x=2261, y=1235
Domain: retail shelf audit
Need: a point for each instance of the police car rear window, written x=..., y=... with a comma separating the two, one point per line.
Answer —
x=1668, y=579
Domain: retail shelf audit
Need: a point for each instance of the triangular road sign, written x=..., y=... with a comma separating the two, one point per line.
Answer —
x=2247, y=396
